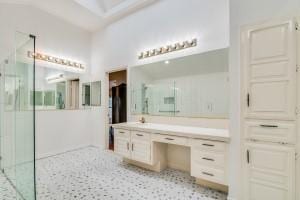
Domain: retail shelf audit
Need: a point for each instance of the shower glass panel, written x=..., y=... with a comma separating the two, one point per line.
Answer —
x=17, y=116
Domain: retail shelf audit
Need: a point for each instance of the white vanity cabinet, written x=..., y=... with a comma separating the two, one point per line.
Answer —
x=270, y=172
x=122, y=143
x=209, y=160
x=140, y=147
x=269, y=60
x=269, y=110
x=148, y=148
x=133, y=145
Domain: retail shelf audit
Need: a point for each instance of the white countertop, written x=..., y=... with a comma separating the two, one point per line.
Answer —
x=184, y=131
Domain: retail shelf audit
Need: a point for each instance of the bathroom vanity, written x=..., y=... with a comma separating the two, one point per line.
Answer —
x=145, y=145
x=190, y=89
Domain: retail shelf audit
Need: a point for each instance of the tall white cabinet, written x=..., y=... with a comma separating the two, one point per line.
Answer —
x=269, y=110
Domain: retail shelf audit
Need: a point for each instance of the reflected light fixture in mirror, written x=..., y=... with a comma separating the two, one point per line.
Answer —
x=56, y=78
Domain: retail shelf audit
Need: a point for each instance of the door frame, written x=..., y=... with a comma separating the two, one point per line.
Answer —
x=106, y=99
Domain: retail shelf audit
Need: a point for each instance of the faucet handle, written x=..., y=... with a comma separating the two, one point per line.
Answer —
x=142, y=120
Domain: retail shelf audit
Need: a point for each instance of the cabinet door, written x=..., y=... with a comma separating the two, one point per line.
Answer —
x=141, y=151
x=270, y=172
x=269, y=70
x=122, y=146
x=122, y=142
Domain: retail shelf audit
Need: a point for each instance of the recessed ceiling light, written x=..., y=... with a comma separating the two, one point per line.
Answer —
x=167, y=62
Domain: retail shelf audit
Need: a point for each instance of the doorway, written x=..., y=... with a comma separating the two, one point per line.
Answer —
x=117, y=106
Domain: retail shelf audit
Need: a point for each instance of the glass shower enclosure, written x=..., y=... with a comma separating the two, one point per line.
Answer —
x=17, y=117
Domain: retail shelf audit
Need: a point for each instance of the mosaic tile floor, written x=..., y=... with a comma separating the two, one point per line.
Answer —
x=93, y=174
x=7, y=192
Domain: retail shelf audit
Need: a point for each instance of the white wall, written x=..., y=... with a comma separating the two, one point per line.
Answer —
x=164, y=22
x=62, y=130
x=57, y=131
x=244, y=12
x=54, y=36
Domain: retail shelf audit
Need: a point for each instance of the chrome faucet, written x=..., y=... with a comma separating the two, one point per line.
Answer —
x=142, y=120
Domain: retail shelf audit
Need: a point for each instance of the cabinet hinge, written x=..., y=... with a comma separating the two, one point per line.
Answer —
x=296, y=111
x=297, y=27
x=297, y=68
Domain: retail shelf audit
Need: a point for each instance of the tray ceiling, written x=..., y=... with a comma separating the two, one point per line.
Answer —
x=88, y=14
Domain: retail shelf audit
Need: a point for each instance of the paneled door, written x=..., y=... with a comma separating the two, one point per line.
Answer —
x=269, y=70
x=270, y=172
x=122, y=146
x=122, y=143
x=141, y=150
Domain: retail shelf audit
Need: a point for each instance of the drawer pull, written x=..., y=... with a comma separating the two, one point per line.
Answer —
x=208, y=174
x=208, y=145
x=169, y=139
x=121, y=132
x=140, y=135
x=268, y=126
x=209, y=159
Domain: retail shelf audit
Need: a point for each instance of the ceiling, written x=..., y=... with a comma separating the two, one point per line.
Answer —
x=87, y=14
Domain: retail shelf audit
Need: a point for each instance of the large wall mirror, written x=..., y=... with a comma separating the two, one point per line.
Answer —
x=191, y=86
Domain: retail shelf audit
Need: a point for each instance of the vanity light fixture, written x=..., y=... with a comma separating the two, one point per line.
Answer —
x=169, y=48
x=55, y=60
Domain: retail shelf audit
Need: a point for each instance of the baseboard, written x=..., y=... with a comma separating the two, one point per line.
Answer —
x=231, y=198
x=98, y=146
x=178, y=167
x=209, y=184
x=55, y=153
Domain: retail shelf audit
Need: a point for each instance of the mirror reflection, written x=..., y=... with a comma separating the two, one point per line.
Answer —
x=86, y=94
x=96, y=93
x=191, y=86
x=58, y=89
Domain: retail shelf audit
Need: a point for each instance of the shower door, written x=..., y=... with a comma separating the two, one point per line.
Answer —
x=18, y=117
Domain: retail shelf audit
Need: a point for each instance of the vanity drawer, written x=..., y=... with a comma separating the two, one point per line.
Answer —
x=198, y=144
x=170, y=139
x=140, y=135
x=208, y=158
x=207, y=173
x=272, y=131
x=122, y=133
